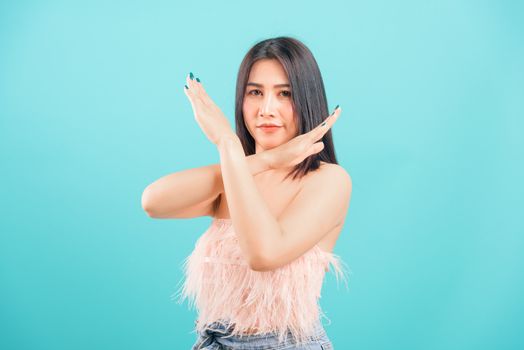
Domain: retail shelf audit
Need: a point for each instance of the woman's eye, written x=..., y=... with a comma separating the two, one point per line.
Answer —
x=257, y=92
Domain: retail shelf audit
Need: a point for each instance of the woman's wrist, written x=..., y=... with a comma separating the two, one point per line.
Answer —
x=257, y=163
x=227, y=141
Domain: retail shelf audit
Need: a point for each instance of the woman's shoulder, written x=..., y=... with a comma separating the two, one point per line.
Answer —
x=332, y=168
x=333, y=173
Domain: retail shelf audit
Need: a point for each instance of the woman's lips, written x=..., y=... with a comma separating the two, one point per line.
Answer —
x=271, y=128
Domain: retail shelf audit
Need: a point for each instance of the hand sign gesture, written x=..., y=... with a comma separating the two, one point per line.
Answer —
x=299, y=148
x=209, y=117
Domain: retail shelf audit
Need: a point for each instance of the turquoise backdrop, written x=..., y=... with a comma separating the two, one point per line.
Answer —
x=92, y=110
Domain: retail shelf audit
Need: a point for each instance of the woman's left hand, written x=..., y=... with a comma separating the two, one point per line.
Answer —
x=209, y=117
x=300, y=147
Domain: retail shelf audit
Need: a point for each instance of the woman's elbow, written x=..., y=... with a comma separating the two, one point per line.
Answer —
x=147, y=202
x=259, y=264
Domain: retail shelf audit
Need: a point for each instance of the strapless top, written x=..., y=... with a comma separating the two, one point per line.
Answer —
x=219, y=281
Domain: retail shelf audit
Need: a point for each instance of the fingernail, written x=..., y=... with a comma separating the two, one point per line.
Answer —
x=324, y=123
x=191, y=76
x=198, y=80
x=337, y=107
x=186, y=87
x=334, y=110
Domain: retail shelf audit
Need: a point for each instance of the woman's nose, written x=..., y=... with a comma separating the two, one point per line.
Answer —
x=268, y=105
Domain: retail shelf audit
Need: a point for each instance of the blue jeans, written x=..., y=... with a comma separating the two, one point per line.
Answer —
x=217, y=337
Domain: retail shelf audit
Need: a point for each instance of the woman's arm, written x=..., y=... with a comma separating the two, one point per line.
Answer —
x=269, y=242
x=257, y=229
x=192, y=192
x=266, y=241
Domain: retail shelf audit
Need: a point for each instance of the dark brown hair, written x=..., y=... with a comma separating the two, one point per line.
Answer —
x=307, y=93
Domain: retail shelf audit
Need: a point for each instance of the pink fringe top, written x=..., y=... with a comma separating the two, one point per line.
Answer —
x=220, y=282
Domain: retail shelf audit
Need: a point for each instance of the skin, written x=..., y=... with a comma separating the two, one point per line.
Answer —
x=275, y=223
x=265, y=102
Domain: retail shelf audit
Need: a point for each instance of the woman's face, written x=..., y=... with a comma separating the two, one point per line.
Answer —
x=267, y=100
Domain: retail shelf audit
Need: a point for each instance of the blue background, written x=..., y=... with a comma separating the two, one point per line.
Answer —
x=92, y=110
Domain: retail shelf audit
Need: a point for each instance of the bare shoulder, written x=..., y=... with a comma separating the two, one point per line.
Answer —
x=332, y=175
x=329, y=187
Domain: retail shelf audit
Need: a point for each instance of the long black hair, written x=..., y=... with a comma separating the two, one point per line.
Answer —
x=307, y=93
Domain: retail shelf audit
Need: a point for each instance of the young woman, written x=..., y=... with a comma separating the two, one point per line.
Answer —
x=278, y=200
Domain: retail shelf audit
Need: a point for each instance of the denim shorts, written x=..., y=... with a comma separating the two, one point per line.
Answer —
x=218, y=336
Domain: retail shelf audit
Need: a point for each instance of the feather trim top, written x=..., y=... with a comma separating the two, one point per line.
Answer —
x=219, y=281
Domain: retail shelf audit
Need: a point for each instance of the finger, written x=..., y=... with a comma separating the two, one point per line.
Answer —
x=194, y=84
x=315, y=148
x=190, y=97
x=324, y=127
x=202, y=92
x=190, y=80
x=193, y=89
x=190, y=85
x=333, y=118
x=189, y=93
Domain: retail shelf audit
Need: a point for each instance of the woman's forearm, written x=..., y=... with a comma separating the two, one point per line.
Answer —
x=176, y=192
x=255, y=226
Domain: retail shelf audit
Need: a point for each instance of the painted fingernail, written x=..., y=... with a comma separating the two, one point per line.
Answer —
x=186, y=87
x=334, y=110
x=191, y=76
x=324, y=123
x=198, y=80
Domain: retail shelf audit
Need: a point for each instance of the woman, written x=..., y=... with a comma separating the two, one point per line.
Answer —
x=278, y=200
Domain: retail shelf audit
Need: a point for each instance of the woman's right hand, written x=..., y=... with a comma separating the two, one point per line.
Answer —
x=302, y=146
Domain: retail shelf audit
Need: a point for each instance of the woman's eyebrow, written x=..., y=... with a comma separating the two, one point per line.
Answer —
x=260, y=85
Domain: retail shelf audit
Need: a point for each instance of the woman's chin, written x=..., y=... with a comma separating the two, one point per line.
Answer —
x=270, y=145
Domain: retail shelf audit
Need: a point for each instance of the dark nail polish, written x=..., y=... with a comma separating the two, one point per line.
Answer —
x=337, y=107
x=324, y=123
x=191, y=76
x=186, y=87
x=334, y=111
x=198, y=80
